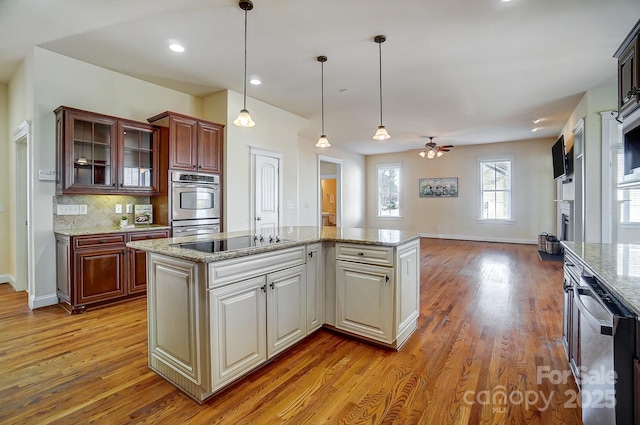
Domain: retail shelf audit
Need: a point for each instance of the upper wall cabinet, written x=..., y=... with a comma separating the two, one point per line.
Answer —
x=628, y=55
x=99, y=154
x=194, y=144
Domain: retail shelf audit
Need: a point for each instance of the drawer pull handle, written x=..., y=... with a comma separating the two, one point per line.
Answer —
x=264, y=288
x=361, y=254
x=272, y=285
x=386, y=278
x=102, y=240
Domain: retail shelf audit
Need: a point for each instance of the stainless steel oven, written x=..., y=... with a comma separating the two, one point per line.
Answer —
x=194, y=196
x=195, y=200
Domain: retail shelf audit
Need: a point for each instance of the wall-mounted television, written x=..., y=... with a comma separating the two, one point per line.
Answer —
x=559, y=159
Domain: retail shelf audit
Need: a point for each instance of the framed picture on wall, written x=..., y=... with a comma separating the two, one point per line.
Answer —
x=438, y=187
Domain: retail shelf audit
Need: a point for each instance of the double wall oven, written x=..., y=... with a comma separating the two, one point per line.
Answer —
x=194, y=203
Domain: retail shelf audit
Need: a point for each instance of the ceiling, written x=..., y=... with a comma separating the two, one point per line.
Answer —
x=463, y=71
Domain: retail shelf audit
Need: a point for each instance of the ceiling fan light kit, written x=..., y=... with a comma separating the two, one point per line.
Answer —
x=431, y=150
x=244, y=118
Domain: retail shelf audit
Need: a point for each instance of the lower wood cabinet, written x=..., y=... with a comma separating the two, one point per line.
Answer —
x=99, y=269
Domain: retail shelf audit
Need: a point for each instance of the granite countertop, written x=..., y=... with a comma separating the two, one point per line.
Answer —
x=100, y=230
x=617, y=266
x=291, y=237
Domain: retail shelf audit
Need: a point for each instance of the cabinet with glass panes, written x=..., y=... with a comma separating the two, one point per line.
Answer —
x=100, y=154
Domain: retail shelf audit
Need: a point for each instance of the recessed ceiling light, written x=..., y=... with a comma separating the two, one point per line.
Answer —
x=255, y=82
x=506, y=1
x=175, y=47
x=535, y=129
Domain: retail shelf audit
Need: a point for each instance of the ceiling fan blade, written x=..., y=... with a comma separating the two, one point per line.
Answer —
x=447, y=146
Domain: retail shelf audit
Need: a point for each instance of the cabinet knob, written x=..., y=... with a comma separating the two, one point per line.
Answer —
x=311, y=254
x=264, y=288
x=272, y=285
x=386, y=278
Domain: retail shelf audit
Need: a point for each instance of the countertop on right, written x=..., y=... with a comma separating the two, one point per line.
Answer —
x=617, y=266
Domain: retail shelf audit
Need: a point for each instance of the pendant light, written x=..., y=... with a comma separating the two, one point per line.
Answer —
x=381, y=132
x=323, y=142
x=244, y=118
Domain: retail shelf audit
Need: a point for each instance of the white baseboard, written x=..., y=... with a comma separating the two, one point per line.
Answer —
x=7, y=278
x=43, y=301
x=480, y=238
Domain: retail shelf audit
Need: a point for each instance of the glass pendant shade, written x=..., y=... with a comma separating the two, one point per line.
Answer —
x=422, y=154
x=439, y=154
x=431, y=154
x=82, y=161
x=244, y=119
x=323, y=142
x=381, y=133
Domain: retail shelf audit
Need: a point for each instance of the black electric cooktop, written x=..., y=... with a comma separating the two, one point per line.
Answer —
x=231, y=244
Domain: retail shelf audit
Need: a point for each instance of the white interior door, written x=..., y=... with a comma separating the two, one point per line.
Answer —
x=267, y=194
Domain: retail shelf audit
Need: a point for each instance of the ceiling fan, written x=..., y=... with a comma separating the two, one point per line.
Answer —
x=432, y=150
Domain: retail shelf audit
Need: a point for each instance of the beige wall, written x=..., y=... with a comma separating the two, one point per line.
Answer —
x=6, y=272
x=457, y=218
x=47, y=80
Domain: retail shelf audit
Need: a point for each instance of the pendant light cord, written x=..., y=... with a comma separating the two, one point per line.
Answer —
x=322, y=93
x=244, y=101
x=380, y=67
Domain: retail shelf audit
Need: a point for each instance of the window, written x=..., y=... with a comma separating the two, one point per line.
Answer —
x=389, y=183
x=629, y=198
x=495, y=189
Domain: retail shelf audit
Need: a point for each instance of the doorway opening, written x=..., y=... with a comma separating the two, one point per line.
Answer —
x=24, y=237
x=329, y=191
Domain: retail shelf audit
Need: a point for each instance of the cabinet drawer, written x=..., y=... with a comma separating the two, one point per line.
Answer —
x=143, y=236
x=98, y=240
x=227, y=271
x=370, y=254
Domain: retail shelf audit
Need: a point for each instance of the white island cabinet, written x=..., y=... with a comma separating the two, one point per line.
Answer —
x=215, y=317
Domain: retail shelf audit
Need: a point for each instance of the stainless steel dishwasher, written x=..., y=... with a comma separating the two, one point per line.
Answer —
x=607, y=348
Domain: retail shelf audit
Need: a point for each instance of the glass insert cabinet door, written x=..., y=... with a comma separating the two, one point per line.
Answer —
x=92, y=153
x=138, y=151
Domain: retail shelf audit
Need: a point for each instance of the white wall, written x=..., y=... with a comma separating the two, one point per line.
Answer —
x=457, y=218
x=593, y=102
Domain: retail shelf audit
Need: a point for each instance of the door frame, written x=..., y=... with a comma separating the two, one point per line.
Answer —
x=23, y=211
x=255, y=151
x=338, y=177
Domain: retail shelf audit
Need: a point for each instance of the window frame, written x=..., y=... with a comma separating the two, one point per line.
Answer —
x=493, y=159
x=387, y=166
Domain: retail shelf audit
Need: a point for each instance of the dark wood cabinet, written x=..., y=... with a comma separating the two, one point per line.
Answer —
x=94, y=270
x=628, y=55
x=137, y=281
x=194, y=144
x=100, y=154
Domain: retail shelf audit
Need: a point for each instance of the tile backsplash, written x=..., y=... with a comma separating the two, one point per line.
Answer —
x=101, y=210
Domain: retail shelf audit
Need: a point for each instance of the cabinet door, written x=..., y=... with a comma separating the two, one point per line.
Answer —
x=238, y=329
x=315, y=287
x=89, y=152
x=99, y=275
x=628, y=79
x=183, y=147
x=286, y=308
x=137, y=282
x=364, y=300
x=209, y=148
x=138, y=147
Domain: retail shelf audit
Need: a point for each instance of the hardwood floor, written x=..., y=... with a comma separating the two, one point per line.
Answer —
x=490, y=316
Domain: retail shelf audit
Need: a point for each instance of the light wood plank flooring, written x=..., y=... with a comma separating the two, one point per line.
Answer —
x=490, y=315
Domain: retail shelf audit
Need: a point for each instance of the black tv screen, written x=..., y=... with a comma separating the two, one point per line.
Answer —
x=559, y=158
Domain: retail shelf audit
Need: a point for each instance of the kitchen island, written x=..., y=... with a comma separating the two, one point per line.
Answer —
x=221, y=306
